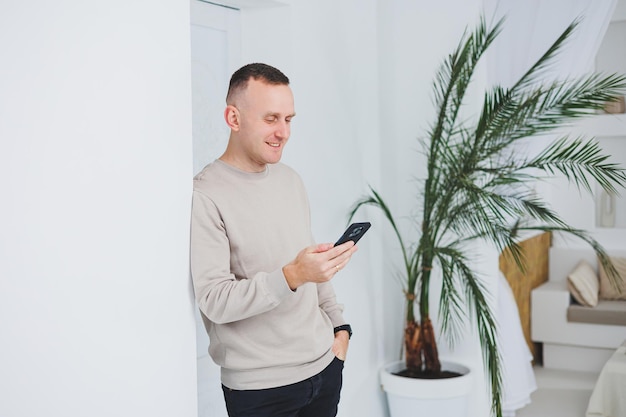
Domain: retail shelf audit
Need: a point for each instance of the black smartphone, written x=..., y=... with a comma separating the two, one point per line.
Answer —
x=354, y=232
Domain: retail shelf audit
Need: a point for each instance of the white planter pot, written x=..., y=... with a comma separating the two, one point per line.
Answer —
x=412, y=397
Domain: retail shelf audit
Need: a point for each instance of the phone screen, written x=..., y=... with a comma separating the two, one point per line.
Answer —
x=354, y=232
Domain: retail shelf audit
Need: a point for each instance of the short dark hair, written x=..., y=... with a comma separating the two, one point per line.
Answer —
x=257, y=71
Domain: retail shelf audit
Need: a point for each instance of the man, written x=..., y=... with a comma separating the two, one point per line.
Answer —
x=262, y=285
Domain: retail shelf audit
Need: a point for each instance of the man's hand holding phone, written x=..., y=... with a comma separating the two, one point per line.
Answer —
x=320, y=263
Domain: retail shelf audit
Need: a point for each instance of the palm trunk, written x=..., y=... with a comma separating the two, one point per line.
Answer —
x=413, y=347
x=422, y=356
x=429, y=348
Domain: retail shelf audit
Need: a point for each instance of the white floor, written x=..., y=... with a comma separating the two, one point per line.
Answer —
x=559, y=394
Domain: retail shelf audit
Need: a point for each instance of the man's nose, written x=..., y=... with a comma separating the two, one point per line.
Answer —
x=283, y=130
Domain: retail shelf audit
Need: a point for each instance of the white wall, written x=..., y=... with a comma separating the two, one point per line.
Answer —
x=96, y=313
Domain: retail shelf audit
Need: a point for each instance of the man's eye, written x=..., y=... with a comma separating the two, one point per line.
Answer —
x=270, y=119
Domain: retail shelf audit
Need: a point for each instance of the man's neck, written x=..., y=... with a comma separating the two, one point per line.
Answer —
x=229, y=159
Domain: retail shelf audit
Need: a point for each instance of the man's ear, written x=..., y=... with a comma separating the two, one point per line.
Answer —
x=231, y=115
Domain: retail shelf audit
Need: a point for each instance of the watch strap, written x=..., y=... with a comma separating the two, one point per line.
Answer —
x=345, y=327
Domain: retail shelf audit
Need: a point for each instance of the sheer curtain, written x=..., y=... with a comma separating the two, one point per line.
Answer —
x=518, y=376
x=530, y=27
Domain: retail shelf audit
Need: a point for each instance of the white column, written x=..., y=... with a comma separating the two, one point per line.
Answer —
x=96, y=310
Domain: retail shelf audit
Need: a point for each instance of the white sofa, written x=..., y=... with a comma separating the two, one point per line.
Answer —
x=571, y=345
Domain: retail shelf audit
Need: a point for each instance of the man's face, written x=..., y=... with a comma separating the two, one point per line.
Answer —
x=265, y=113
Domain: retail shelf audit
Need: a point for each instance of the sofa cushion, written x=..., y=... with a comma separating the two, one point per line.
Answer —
x=607, y=291
x=583, y=284
x=612, y=312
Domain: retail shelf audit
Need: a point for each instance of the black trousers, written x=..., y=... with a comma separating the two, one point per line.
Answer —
x=317, y=396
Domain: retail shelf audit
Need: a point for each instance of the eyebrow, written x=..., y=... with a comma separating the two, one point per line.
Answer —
x=274, y=114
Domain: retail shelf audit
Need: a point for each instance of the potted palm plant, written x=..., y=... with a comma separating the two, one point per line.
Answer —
x=478, y=186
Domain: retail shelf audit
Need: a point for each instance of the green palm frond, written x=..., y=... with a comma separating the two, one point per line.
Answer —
x=577, y=159
x=451, y=312
x=374, y=199
x=603, y=256
x=487, y=331
x=451, y=87
x=480, y=312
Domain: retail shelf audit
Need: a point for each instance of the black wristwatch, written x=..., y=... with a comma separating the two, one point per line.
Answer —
x=345, y=327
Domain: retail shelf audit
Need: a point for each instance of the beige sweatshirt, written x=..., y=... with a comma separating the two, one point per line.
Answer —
x=245, y=227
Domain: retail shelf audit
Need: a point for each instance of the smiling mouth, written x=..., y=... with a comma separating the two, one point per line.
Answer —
x=274, y=145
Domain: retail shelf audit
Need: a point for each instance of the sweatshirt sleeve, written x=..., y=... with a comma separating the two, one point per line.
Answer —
x=221, y=297
x=328, y=303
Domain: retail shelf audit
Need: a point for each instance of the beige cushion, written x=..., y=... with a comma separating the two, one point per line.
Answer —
x=607, y=291
x=611, y=312
x=583, y=284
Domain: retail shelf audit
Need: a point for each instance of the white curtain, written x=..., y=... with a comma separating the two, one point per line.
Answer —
x=531, y=26
x=518, y=376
